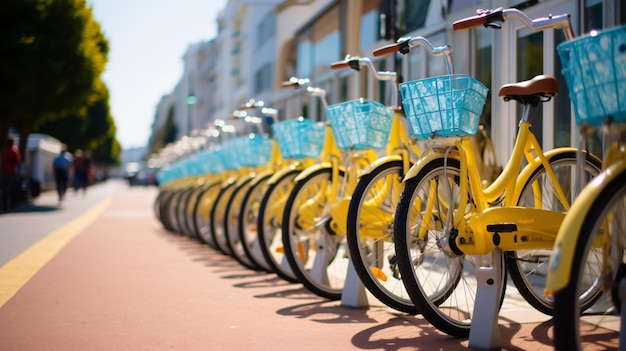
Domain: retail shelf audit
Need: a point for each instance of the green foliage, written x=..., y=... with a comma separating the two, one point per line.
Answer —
x=93, y=130
x=53, y=54
x=168, y=133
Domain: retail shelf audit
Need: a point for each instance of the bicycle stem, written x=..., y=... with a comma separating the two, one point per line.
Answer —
x=313, y=91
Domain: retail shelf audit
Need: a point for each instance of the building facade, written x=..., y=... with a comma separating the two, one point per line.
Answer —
x=263, y=43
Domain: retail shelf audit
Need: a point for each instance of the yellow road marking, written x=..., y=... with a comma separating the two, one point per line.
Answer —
x=15, y=273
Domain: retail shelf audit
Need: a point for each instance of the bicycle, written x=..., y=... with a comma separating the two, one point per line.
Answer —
x=314, y=217
x=301, y=142
x=591, y=241
x=450, y=232
x=373, y=202
x=247, y=155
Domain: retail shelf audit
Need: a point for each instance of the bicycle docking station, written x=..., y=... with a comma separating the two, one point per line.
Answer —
x=354, y=293
x=485, y=333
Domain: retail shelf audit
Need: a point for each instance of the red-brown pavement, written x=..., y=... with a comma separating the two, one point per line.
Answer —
x=124, y=283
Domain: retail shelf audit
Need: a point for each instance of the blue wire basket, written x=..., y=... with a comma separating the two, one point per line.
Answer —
x=360, y=124
x=594, y=67
x=299, y=138
x=211, y=161
x=254, y=150
x=228, y=154
x=444, y=106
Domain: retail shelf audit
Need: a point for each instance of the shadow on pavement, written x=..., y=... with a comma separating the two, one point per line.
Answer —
x=327, y=312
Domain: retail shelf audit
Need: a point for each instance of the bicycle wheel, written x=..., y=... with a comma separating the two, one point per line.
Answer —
x=605, y=219
x=189, y=211
x=270, y=225
x=440, y=282
x=217, y=217
x=231, y=224
x=172, y=211
x=181, y=210
x=528, y=268
x=248, y=219
x=370, y=235
x=202, y=213
x=163, y=209
x=317, y=256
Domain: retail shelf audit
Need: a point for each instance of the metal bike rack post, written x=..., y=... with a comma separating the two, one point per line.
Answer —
x=354, y=293
x=484, y=333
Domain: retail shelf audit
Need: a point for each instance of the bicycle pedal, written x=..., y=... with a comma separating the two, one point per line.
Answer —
x=502, y=228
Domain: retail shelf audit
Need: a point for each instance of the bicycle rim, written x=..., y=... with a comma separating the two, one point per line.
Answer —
x=370, y=235
x=248, y=219
x=316, y=256
x=595, y=328
x=270, y=226
x=441, y=283
x=528, y=268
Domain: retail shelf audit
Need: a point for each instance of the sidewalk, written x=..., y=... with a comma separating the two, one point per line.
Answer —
x=124, y=283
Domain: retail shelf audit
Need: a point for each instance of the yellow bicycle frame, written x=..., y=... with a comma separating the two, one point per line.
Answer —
x=536, y=227
x=568, y=236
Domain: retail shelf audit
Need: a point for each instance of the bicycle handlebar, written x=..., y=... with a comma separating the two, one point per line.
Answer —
x=294, y=82
x=356, y=62
x=488, y=18
x=404, y=45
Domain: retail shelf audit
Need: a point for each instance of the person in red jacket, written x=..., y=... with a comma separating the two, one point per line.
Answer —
x=11, y=159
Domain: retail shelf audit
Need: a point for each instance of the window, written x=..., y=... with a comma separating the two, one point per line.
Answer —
x=529, y=64
x=483, y=71
x=266, y=29
x=319, y=45
x=370, y=24
x=263, y=78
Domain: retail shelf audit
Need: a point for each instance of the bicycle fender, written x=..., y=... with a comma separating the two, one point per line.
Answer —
x=528, y=170
x=310, y=170
x=567, y=238
x=260, y=177
x=425, y=159
x=281, y=173
x=380, y=161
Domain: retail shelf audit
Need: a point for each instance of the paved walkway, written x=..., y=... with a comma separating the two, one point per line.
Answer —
x=102, y=274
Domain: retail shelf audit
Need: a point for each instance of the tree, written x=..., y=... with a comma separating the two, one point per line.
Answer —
x=93, y=130
x=53, y=54
x=168, y=133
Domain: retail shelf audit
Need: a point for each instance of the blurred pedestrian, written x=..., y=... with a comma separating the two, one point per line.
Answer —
x=77, y=180
x=11, y=160
x=85, y=169
x=62, y=164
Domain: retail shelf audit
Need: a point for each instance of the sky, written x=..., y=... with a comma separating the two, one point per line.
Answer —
x=147, y=40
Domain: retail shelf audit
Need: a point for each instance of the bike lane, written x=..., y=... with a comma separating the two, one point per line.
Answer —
x=123, y=282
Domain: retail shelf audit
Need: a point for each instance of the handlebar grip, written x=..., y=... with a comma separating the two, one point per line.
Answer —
x=387, y=49
x=288, y=84
x=484, y=18
x=469, y=22
x=339, y=65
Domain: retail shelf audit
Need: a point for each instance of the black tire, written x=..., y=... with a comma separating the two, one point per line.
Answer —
x=181, y=210
x=170, y=211
x=528, y=268
x=569, y=330
x=202, y=213
x=321, y=270
x=248, y=218
x=231, y=224
x=217, y=217
x=370, y=235
x=270, y=228
x=440, y=282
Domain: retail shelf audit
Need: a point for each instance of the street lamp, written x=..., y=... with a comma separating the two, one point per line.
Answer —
x=191, y=100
